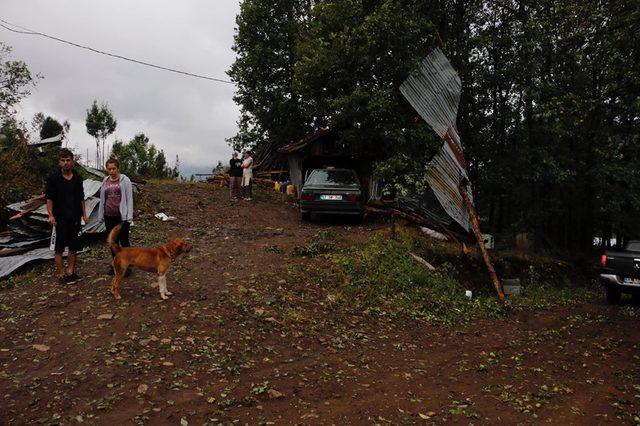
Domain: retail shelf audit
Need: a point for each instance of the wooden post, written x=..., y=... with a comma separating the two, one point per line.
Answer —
x=476, y=230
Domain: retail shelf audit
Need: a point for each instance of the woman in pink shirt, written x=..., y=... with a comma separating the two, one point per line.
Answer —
x=116, y=203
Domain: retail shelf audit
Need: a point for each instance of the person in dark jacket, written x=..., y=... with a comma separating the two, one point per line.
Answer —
x=235, y=177
x=65, y=205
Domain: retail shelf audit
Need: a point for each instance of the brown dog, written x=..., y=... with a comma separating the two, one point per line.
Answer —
x=152, y=259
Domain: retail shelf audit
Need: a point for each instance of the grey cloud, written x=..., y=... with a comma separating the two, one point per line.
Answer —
x=181, y=115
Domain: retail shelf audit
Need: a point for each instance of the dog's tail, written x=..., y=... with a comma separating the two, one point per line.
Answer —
x=113, y=239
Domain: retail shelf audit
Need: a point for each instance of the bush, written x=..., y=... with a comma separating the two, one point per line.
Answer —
x=381, y=278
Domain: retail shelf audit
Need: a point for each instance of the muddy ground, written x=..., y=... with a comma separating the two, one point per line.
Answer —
x=249, y=338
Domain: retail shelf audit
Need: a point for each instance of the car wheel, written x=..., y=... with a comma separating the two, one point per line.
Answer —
x=613, y=295
x=306, y=216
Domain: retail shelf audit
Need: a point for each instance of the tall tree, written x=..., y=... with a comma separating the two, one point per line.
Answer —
x=549, y=114
x=139, y=157
x=353, y=56
x=16, y=82
x=176, y=168
x=100, y=124
x=265, y=41
x=50, y=128
x=36, y=123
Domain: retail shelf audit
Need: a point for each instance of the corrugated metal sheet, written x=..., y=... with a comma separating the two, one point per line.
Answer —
x=8, y=264
x=52, y=140
x=91, y=187
x=435, y=94
x=428, y=206
x=96, y=172
x=443, y=175
x=31, y=232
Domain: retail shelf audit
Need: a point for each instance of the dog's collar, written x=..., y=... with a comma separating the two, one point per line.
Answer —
x=167, y=252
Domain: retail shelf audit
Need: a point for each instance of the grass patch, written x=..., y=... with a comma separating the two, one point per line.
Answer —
x=380, y=277
x=320, y=244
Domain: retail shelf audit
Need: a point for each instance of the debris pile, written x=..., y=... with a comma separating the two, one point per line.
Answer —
x=28, y=234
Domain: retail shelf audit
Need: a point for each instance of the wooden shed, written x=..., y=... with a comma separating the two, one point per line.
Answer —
x=324, y=149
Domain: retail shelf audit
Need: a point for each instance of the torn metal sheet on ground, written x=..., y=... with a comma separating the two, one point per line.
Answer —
x=8, y=264
x=29, y=231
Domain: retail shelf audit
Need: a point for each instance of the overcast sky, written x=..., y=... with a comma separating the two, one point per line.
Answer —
x=182, y=115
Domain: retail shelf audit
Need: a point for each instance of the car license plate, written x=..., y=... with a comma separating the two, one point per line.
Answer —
x=632, y=281
x=331, y=197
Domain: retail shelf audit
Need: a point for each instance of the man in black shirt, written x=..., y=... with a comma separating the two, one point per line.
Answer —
x=65, y=205
x=235, y=177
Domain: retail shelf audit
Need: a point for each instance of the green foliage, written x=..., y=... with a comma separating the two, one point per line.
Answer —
x=50, y=127
x=15, y=179
x=100, y=124
x=141, y=158
x=263, y=71
x=22, y=173
x=15, y=82
x=548, y=114
x=320, y=244
x=381, y=278
x=175, y=172
x=353, y=58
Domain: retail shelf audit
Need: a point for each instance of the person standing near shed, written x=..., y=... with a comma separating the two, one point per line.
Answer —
x=247, y=175
x=116, y=204
x=65, y=205
x=235, y=177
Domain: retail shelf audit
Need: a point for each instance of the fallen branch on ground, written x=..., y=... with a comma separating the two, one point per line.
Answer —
x=422, y=261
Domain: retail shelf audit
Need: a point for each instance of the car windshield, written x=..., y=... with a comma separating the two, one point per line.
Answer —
x=333, y=178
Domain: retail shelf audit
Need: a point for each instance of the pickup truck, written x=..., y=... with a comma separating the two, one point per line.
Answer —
x=620, y=272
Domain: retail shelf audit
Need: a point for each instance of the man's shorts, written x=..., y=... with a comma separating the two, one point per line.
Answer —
x=67, y=236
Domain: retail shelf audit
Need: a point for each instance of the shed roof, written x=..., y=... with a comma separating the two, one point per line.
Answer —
x=304, y=142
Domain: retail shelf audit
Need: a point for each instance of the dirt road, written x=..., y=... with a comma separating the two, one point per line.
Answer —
x=249, y=337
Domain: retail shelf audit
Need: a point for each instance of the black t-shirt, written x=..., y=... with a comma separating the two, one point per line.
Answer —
x=235, y=168
x=66, y=195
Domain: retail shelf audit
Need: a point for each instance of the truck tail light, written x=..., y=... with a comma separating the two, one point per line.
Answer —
x=352, y=198
x=603, y=260
x=306, y=196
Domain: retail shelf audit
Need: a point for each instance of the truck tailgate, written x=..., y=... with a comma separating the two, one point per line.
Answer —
x=624, y=264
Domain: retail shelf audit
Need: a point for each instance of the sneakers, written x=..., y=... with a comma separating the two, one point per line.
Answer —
x=248, y=199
